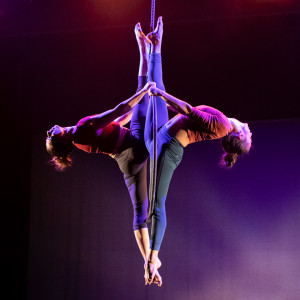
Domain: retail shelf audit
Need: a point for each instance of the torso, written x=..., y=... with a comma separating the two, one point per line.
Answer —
x=175, y=127
x=108, y=140
x=203, y=123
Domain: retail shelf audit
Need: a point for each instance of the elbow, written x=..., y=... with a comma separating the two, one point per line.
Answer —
x=187, y=109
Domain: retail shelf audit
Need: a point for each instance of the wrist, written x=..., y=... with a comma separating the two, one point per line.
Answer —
x=158, y=92
x=162, y=93
x=143, y=92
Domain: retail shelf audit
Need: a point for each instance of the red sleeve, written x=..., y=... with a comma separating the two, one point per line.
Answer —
x=209, y=119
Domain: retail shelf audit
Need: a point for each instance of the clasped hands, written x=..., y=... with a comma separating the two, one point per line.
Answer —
x=151, y=88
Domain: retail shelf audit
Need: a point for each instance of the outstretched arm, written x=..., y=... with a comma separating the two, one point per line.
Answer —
x=123, y=120
x=178, y=105
x=101, y=120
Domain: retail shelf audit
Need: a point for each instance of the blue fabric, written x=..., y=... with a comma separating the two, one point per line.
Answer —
x=155, y=74
x=169, y=153
x=137, y=123
x=133, y=161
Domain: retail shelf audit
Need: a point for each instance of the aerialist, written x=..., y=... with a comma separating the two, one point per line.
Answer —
x=104, y=133
x=192, y=124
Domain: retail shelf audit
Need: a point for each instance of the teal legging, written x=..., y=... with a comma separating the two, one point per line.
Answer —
x=169, y=153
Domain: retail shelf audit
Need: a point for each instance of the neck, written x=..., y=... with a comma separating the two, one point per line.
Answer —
x=235, y=124
x=68, y=131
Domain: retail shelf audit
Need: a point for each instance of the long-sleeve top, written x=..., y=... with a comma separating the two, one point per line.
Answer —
x=202, y=123
x=205, y=123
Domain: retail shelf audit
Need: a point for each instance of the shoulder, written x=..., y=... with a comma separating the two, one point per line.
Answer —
x=208, y=109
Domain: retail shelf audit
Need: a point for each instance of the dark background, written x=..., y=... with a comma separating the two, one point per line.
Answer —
x=62, y=60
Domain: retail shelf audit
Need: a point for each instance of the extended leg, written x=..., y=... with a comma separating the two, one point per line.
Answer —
x=171, y=152
x=137, y=124
x=155, y=74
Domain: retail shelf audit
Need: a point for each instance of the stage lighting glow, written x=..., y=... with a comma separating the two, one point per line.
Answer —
x=269, y=1
x=116, y=8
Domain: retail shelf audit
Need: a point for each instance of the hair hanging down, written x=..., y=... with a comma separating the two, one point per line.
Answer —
x=60, y=153
x=61, y=163
x=233, y=147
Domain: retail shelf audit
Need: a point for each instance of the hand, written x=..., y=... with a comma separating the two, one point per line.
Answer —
x=148, y=86
x=151, y=273
x=154, y=91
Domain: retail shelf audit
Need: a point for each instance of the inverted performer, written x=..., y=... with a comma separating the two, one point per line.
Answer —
x=192, y=124
x=105, y=133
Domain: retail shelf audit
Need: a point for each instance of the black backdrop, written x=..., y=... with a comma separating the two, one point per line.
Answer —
x=61, y=60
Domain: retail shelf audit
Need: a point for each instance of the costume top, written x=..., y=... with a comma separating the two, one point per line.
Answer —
x=106, y=140
x=205, y=123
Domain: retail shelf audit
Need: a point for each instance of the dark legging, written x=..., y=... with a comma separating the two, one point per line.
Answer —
x=133, y=161
x=169, y=152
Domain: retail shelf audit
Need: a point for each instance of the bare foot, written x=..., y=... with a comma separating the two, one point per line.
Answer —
x=157, y=279
x=158, y=263
x=155, y=37
x=141, y=38
x=151, y=274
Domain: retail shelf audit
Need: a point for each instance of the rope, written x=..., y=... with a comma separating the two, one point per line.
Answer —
x=152, y=15
x=152, y=191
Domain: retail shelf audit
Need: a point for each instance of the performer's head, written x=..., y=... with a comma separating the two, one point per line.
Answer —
x=236, y=143
x=59, y=146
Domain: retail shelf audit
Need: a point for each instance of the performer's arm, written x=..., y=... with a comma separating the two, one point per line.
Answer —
x=172, y=109
x=102, y=120
x=178, y=105
x=212, y=120
x=123, y=120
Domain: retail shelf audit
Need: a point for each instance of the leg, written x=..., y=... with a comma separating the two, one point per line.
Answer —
x=155, y=74
x=137, y=124
x=136, y=177
x=169, y=158
x=135, y=165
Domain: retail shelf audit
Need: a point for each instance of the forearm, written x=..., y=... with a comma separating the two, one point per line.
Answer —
x=178, y=105
x=123, y=120
x=101, y=120
x=127, y=105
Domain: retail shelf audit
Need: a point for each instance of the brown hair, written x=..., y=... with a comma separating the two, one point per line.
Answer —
x=233, y=147
x=59, y=150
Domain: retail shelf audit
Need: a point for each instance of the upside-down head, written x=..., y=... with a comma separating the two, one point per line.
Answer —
x=237, y=142
x=59, y=146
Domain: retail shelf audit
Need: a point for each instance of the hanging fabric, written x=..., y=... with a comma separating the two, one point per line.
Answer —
x=153, y=162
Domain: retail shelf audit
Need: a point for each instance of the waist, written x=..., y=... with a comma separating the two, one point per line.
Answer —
x=118, y=146
x=176, y=127
x=166, y=134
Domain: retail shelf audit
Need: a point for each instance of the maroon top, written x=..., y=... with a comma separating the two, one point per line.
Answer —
x=105, y=140
x=205, y=123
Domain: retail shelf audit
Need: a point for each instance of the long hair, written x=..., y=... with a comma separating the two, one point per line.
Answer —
x=59, y=150
x=233, y=147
